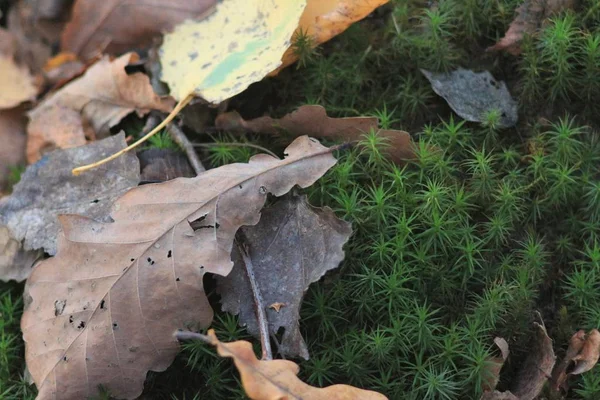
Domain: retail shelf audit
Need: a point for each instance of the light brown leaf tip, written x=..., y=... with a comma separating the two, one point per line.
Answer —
x=276, y=379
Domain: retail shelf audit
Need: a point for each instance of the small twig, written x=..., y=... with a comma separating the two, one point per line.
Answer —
x=179, y=137
x=187, y=335
x=259, y=306
x=254, y=146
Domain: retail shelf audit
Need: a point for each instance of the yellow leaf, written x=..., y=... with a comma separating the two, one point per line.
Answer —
x=324, y=19
x=239, y=44
x=16, y=83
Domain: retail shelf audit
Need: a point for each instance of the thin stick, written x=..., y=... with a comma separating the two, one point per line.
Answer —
x=184, y=102
x=179, y=137
x=263, y=323
x=254, y=146
x=187, y=335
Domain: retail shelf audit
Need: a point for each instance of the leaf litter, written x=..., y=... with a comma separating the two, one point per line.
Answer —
x=292, y=246
x=129, y=285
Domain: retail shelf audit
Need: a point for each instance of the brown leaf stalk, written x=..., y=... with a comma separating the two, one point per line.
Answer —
x=178, y=107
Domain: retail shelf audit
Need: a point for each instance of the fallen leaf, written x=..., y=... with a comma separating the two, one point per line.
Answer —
x=48, y=188
x=239, y=44
x=312, y=120
x=530, y=17
x=62, y=68
x=276, y=379
x=494, y=366
x=496, y=395
x=159, y=165
x=54, y=127
x=105, y=94
x=15, y=263
x=13, y=139
x=52, y=9
x=472, y=94
x=34, y=36
x=292, y=246
x=116, y=293
x=589, y=354
x=17, y=84
x=559, y=375
x=325, y=19
x=537, y=368
x=277, y=306
x=116, y=26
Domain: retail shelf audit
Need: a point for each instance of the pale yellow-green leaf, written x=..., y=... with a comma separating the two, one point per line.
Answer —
x=239, y=44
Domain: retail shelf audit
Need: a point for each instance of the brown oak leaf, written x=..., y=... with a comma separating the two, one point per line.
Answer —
x=277, y=379
x=115, y=26
x=313, y=120
x=530, y=17
x=106, y=308
x=101, y=97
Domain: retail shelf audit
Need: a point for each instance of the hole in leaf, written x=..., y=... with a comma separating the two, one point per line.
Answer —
x=169, y=254
x=102, y=305
x=81, y=325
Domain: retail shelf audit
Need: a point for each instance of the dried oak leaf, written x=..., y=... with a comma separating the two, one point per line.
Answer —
x=589, y=354
x=313, y=120
x=325, y=19
x=277, y=380
x=103, y=96
x=55, y=127
x=116, y=26
x=472, y=94
x=530, y=17
x=48, y=188
x=12, y=139
x=106, y=308
x=559, y=375
x=292, y=246
x=17, y=84
x=494, y=366
x=537, y=368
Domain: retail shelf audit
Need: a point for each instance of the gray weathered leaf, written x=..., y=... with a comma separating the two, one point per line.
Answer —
x=15, y=263
x=293, y=245
x=47, y=188
x=472, y=94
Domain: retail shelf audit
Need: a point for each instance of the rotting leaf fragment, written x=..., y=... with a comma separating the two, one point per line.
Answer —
x=292, y=246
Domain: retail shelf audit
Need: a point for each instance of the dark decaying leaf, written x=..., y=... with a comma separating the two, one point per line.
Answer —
x=530, y=17
x=537, y=368
x=159, y=165
x=313, y=121
x=106, y=309
x=292, y=246
x=472, y=94
x=47, y=188
x=115, y=26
